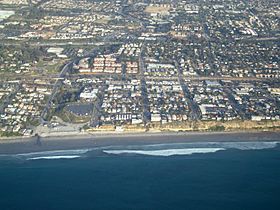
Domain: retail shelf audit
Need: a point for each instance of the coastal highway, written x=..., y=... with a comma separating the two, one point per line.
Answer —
x=56, y=87
x=58, y=84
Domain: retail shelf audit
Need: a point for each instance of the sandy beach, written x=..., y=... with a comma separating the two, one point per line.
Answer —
x=27, y=145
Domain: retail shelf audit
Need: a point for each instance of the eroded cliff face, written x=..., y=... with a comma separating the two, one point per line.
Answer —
x=217, y=126
x=253, y=125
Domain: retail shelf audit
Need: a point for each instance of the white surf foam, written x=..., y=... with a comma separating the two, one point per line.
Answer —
x=166, y=152
x=249, y=145
x=225, y=145
x=54, y=157
x=56, y=153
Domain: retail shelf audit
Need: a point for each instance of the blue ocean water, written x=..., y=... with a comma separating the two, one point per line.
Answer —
x=201, y=176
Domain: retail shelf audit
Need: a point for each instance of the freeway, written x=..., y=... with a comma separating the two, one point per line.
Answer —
x=58, y=44
x=30, y=77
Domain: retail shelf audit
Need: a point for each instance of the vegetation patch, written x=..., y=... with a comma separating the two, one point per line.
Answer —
x=217, y=128
x=9, y=134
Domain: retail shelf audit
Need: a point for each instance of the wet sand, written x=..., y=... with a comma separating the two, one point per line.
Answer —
x=99, y=140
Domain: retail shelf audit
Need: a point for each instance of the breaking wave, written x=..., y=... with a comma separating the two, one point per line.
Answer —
x=165, y=153
x=225, y=145
x=54, y=157
x=57, y=152
x=171, y=149
x=166, y=149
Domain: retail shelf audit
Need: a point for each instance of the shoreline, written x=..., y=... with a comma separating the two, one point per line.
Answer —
x=28, y=145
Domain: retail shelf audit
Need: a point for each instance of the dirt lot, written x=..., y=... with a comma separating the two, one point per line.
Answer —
x=157, y=9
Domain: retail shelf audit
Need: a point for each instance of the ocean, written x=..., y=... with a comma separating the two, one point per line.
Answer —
x=209, y=175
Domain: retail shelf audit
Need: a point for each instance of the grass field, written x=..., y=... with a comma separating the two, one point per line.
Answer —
x=51, y=68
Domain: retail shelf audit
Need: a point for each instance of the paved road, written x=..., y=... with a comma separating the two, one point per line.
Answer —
x=59, y=82
x=54, y=44
x=191, y=78
x=56, y=87
x=234, y=103
x=146, y=107
x=195, y=113
x=96, y=112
